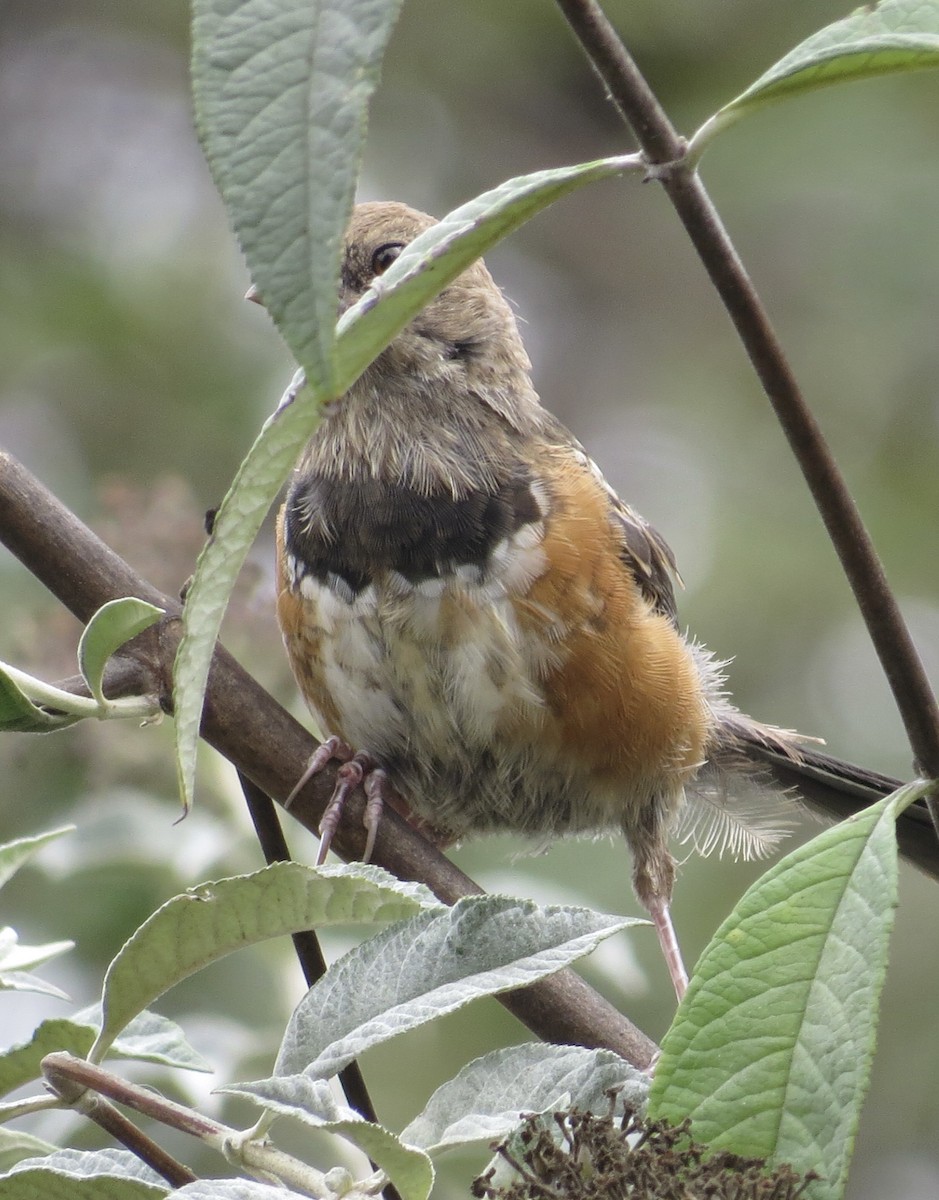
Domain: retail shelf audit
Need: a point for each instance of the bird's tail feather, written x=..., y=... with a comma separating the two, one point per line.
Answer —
x=827, y=785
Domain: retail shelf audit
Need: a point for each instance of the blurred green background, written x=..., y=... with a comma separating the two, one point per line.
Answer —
x=133, y=377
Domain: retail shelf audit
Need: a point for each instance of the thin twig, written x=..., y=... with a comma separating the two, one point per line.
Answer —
x=274, y=848
x=123, y=1130
x=309, y=952
x=63, y=1071
x=61, y=1079
x=662, y=145
x=68, y=1075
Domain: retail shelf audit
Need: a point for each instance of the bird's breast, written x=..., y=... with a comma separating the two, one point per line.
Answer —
x=433, y=668
x=491, y=651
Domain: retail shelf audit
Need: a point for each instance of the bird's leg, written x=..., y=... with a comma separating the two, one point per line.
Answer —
x=653, y=879
x=356, y=769
x=665, y=930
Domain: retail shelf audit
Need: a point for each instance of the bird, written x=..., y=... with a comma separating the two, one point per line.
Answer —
x=486, y=632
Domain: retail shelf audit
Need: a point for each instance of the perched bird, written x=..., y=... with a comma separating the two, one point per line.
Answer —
x=486, y=631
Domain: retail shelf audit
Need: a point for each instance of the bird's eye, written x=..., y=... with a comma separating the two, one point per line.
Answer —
x=384, y=256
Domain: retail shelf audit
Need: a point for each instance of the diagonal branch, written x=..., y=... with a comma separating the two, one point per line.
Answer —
x=78, y=1082
x=80, y=1097
x=270, y=748
x=664, y=148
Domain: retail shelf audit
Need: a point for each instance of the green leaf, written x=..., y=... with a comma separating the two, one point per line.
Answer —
x=150, y=1038
x=147, y=1038
x=15, y=1145
x=281, y=99
x=111, y=626
x=430, y=965
x=16, y=957
x=24, y=981
x=19, y=714
x=14, y=854
x=896, y=35
x=155, y=1039
x=312, y=1101
x=770, y=1052
x=281, y=96
x=20, y=1064
x=237, y=521
x=27, y=705
x=82, y=1175
x=488, y=1098
x=16, y=961
x=215, y=919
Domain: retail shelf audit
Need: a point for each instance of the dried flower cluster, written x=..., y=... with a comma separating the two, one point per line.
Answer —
x=580, y=1155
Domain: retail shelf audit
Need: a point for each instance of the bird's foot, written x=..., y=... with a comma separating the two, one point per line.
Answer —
x=356, y=768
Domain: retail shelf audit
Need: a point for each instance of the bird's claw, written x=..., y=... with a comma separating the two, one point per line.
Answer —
x=356, y=768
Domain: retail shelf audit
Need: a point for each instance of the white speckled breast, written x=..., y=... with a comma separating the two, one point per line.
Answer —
x=433, y=668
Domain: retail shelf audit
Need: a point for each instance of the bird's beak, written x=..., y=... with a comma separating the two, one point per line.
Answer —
x=254, y=295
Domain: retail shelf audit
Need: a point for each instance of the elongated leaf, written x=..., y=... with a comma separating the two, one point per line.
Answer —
x=147, y=1038
x=213, y=920
x=17, y=957
x=25, y=981
x=237, y=521
x=14, y=854
x=39, y=1182
x=281, y=96
x=28, y=705
x=432, y=964
x=770, y=1052
x=150, y=1038
x=486, y=1100
x=20, y=714
x=111, y=626
x=882, y=39
x=312, y=1101
x=281, y=99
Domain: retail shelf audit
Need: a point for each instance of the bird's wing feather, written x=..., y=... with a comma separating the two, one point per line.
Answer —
x=643, y=550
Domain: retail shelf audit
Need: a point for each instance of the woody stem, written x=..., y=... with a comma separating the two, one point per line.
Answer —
x=662, y=145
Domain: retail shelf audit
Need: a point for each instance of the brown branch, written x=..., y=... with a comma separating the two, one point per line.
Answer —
x=271, y=749
x=123, y=677
x=77, y=1081
x=662, y=145
x=274, y=847
x=73, y=1080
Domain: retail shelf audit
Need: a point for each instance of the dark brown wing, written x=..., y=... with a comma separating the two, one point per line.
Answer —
x=648, y=556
